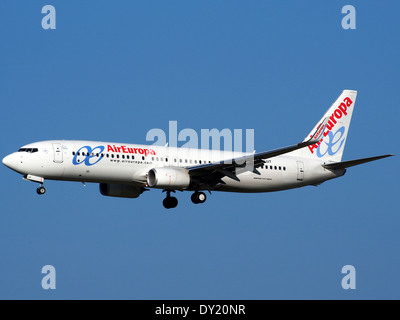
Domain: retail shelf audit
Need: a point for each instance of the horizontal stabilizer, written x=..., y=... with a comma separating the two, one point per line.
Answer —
x=351, y=163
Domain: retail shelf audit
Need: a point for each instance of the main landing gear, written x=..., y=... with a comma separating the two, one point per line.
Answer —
x=198, y=197
x=171, y=202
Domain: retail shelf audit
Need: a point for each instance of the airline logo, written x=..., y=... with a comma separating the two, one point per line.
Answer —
x=336, y=137
x=125, y=149
x=333, y=144
x=92, y=155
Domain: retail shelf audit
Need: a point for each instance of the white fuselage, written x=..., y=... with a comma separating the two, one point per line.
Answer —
x=128, y=164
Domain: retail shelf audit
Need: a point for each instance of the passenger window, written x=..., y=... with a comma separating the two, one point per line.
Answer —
x=142, y=157
x=123, y=156
x=280, y=168
x=73, y=153
x=195, y=161
x=284, y=168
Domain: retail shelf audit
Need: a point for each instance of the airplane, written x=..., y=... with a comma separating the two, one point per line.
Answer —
x=127, y=170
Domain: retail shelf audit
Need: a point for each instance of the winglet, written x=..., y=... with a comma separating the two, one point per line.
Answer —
x=317, y=136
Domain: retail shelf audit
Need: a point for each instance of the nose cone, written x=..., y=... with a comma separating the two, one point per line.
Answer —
x=10, y=161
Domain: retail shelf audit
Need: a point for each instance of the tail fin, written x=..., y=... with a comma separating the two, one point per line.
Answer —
x=338, y=117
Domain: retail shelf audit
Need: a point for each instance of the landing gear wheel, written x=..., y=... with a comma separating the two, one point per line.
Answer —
x=194, y=198
x=173, y=202
x=198, y=197
x=41, y=190
x=170, y=202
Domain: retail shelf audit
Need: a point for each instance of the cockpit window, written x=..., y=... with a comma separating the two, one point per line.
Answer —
x=30, y=150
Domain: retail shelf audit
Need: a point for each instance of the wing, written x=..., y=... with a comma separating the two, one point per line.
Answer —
x=208, y=175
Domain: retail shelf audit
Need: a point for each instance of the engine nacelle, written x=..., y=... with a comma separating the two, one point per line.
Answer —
x=168, y=178
x=119, y=190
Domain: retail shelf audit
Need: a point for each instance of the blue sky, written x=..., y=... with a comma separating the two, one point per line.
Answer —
x=113, y=70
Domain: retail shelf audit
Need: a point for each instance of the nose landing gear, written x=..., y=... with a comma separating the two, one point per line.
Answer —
x=41, y=190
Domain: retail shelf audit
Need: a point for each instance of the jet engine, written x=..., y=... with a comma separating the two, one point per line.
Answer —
x=168, y=178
